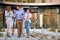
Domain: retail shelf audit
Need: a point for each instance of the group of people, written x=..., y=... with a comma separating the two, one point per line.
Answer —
x=15, y=18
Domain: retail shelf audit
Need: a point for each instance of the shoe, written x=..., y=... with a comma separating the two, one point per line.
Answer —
x=8, y=36
x=27, y=37
x=19, y=36
x=12, y=34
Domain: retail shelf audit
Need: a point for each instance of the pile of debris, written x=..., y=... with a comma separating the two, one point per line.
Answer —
x=41, y=36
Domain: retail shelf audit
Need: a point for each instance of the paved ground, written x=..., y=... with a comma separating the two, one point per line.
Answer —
x=24, y=37
x=14, y=37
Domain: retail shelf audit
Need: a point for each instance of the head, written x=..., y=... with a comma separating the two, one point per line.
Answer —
x=28, y=10
x=14, y=10
x=19, y=7
x=8, y=8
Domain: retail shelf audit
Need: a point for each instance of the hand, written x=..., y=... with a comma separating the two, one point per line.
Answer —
x=13, y=17
x=26, y=19
x=21, y=16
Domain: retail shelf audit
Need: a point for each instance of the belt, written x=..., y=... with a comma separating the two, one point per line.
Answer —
x=19, y=20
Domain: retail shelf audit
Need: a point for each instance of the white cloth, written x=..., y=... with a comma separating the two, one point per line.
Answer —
x=29, y=17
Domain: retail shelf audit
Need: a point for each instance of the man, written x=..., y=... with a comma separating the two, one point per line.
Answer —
x=19, y=19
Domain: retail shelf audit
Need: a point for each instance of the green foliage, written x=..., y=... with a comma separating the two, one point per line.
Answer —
x=1, y=34
x=1, y=24
x=52, y=30
x=54, y=25
x=2, y=30
x=58, y=30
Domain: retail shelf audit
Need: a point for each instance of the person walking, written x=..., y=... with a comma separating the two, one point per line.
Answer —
x=19, y=19
x=9, y=22
x=14, y=21
x=28, y=17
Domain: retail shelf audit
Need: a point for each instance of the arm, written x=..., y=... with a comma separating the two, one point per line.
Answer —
x=30, y=16
x=11, y=14
x=23, y=14
x=6, y=14
x=14, y=15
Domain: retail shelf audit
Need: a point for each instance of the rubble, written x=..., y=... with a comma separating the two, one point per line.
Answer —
x=42, y=36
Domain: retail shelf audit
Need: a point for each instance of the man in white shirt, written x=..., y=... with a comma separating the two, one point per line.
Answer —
x=28, y=17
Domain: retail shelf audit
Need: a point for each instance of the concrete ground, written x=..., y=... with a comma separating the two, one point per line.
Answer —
x=14, y=37
x=24, y=37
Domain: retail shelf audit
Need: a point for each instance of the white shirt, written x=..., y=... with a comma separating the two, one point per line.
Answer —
x=8, y=15
x=29, y=17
